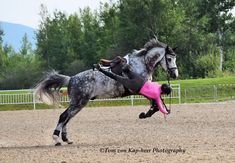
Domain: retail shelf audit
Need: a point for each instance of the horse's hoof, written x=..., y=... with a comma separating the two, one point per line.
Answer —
x=69, y=142
x=58, y=144
x=55, y=138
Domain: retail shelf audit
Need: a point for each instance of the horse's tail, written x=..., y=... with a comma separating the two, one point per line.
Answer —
x=47, y=90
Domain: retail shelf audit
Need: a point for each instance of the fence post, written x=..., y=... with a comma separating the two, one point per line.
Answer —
x=34, y=102
x=132, y=100
x=185, y=95
x=179, y=91
x=215, y=92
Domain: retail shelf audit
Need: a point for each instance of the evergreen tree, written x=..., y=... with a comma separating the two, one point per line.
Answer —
x=26, y=47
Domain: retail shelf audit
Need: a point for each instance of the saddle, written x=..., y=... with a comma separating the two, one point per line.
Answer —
x=115, y=65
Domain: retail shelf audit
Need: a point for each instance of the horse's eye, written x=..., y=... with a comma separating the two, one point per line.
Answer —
x=169, y=59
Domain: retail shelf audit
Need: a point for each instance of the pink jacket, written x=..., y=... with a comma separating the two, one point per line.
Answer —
x=153, y=91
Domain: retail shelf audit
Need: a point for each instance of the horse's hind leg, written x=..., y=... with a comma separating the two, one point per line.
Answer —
x=71, y=111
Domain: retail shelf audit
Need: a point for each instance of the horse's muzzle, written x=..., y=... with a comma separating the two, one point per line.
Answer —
x=173, y=73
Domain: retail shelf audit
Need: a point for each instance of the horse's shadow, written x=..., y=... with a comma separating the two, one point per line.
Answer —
x=77, y=145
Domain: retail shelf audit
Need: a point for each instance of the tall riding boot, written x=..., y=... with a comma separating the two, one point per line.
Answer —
x=151, y=111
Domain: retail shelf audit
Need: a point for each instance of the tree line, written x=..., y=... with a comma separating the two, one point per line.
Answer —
x=203, y=31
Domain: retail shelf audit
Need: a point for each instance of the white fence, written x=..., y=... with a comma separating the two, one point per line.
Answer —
x=27, y=97
x=209, y=93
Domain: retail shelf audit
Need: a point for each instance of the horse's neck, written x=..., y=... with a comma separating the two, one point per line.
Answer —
x=139, y=67
x=153, y=57
x=146, y=64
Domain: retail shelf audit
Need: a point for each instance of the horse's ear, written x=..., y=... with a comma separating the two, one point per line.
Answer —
x=174, y=49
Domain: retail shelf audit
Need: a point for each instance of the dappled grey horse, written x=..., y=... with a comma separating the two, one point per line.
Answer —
x=89, y=84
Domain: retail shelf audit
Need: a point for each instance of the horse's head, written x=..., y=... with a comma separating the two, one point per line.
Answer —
x=159, y=53
x=168, y=62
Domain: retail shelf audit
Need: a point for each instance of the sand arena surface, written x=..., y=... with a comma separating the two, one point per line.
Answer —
x=192, y=133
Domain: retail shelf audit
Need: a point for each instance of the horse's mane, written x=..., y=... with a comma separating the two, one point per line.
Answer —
x=154, y=43
x=149, y=45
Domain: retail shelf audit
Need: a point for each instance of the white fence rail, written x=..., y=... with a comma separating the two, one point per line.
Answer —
x=27, y=97
x=209, y=92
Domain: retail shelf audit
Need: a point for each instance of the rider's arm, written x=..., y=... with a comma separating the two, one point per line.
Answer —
x=161, y=106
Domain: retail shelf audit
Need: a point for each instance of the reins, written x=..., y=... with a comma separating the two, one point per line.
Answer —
x=168, y=109
x=168, y=80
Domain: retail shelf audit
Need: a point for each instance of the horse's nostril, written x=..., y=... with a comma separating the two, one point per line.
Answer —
x=173, y=75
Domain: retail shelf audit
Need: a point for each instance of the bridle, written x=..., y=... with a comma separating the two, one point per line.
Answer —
x=169, y=69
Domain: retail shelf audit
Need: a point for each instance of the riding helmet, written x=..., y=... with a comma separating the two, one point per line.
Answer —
x=166, y=88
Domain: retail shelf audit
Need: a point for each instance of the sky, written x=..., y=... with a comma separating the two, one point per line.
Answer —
x=26, y=12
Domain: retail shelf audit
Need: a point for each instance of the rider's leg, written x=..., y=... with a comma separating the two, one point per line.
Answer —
x=134, y=84
x=153, y=109
x=112, y=75
x=151, y=112
x=154, y=104
x=127, y=70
